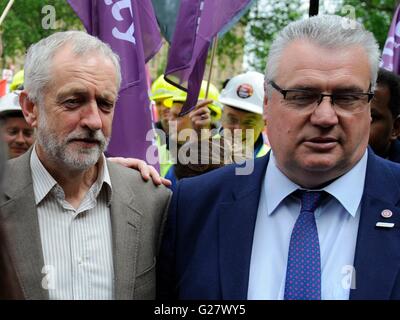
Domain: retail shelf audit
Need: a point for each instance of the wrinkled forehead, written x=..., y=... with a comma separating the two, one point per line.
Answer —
x=65, y=57
x=70, y=72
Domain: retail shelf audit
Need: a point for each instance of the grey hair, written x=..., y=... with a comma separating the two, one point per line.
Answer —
x=39, y=57
x=328, y=31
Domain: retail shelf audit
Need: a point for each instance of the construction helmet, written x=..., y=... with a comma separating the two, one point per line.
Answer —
x=213, y=93
x=161, y=89
x=9, y=104
x=17, y=80
x=245, y=91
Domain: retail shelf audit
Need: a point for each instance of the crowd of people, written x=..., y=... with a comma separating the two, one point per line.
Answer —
x=313, y=219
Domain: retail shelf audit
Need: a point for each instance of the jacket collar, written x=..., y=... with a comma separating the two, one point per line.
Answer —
x=236, y=227
x=377, y=256
x=21, y=228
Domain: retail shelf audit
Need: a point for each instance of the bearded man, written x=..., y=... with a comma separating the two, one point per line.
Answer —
x=78, y=226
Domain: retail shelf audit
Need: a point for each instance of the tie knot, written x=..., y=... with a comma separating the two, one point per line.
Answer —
x=310, y=200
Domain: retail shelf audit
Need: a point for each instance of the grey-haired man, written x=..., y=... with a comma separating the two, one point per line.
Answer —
x=79, y=227
x=317, y=217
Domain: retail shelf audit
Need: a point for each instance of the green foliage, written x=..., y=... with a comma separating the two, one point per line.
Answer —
x=231, y=45
x=376, y=15
x=254, y=32
x=266, y=19
x=259, y=27
x=26, y=24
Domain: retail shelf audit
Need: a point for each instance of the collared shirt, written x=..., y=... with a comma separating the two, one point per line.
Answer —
x=76, y=243
x=337, y=221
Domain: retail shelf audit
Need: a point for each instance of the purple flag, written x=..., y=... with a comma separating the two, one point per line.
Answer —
x=391, y=52
x=198, y=22
x=130, y=28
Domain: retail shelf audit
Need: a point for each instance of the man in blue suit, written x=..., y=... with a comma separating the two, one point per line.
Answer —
x=385, y=113
x=318, y=217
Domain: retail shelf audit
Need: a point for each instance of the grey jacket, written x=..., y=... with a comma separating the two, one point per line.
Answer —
x=138, y=214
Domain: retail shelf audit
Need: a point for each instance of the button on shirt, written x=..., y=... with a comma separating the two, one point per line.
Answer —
x=337, y=221
x=76, y=244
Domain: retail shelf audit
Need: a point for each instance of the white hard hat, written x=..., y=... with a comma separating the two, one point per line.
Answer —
x=245, y=92
x=10, y=103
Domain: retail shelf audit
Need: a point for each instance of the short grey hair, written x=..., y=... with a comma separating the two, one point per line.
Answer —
x=328, y=31
x=40, y=55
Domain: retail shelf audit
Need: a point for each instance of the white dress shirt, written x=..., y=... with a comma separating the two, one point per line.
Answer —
x=337, y=221
x=76, y=244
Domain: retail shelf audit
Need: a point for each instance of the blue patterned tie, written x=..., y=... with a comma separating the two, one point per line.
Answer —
x=303, y=273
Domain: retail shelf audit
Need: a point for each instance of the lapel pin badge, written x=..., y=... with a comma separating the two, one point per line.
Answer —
x=384, y=225
x=386, y=213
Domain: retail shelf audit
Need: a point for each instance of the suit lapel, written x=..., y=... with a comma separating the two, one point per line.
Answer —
x=21, y=228
x=377, y=256
x=236, y=227
x=125, y=223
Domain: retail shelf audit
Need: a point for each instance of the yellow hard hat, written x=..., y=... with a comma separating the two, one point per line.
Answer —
x=213, y=93
x=161, y=89
x=18, y=80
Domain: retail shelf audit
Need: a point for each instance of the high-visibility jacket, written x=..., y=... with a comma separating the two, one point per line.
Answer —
x=164, y=157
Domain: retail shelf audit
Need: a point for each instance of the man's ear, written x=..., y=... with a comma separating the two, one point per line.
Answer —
x=396, y=129
x=29, y=109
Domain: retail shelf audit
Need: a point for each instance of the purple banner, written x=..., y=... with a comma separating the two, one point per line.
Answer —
x=198, y=22
x=130, y=28
x=391, y=52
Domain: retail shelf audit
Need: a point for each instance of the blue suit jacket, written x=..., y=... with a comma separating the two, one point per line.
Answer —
x=394, y=152
x=208, y=238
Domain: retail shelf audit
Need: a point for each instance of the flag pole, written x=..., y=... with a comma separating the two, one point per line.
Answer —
x=314, y=8
x=214, y=50
x=5, y=12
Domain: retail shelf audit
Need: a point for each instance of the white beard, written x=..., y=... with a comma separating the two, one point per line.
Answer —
x=60, y=149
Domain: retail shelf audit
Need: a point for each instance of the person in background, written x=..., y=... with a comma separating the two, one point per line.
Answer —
x=205, y=116
x=17, y=82
x=161, y=90
x=317, y=218
x=242, y=99
x=385, y=111
x=15, y=131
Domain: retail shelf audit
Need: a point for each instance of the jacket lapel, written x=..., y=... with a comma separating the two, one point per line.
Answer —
x=21, y=228
x=236, y=227
x=125, y=223
x=377, y=256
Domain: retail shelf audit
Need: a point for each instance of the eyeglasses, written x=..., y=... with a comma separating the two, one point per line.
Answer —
x=308, y=100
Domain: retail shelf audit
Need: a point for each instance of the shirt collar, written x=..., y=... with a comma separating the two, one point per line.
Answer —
x=277, y=186
x=43, y=182
x=103, y=179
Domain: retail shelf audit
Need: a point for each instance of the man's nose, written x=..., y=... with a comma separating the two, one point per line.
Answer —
x=20, y=137
x=325, y=114
x=91, y=117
